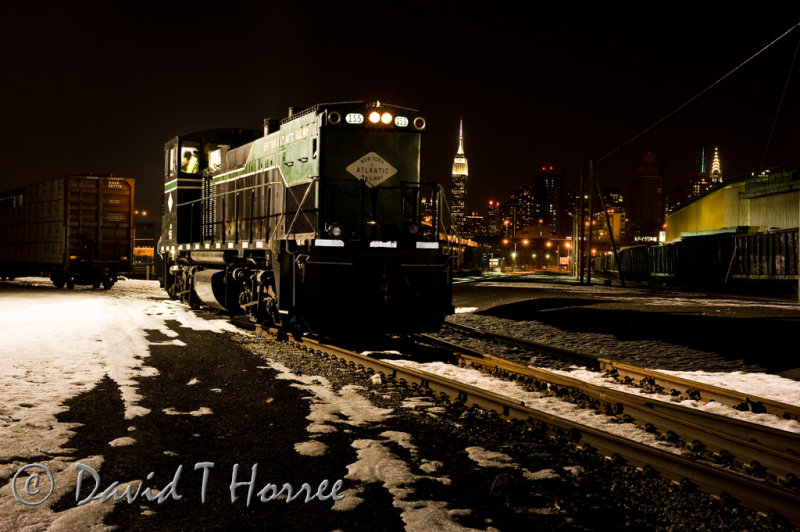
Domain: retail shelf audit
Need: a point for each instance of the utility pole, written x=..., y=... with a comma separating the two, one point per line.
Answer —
x=581, y=247
x=610, y=233
x=590, y=180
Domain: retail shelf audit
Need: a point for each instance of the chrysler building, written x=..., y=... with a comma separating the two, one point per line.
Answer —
x=459, y=181
x=716, y=172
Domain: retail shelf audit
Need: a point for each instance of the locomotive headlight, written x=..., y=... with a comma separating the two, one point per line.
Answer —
x=419, y=123
x=413, y=228
x=386, y=118
x=374, y=117
x=334, y=118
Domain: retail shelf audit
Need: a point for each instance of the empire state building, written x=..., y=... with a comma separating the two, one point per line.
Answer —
x=459, y=181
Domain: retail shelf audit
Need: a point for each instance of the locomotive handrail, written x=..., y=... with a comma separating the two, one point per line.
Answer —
x=204, y=198
x=449, y=212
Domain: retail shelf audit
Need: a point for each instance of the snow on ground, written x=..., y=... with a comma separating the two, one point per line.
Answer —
x=539, y=402
x=758, y=384
x=645, y=296
x=376, y=462
x=643, y=353
x=710, y=367
x=784, y=390
x=56, y=345
x=59, y=343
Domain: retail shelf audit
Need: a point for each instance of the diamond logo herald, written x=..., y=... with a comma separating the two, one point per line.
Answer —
x=372, y=169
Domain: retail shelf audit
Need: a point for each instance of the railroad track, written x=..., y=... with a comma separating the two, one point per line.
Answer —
x=650, y=380
x=751, y=492
x=758, y=449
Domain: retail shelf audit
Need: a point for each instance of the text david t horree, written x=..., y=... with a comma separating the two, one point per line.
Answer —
x=35, y=491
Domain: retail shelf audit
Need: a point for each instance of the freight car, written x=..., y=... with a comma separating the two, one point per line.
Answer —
x=320, y=223
x=76, y=229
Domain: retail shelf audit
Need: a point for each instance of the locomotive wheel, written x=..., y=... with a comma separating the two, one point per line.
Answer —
x=95, y=285
x=70, y=285
x=108, y=282
x=59, y=283
x=294, y=328
x=170, y=280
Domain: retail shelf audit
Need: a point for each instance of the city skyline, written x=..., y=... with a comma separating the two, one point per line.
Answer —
x=558, y=89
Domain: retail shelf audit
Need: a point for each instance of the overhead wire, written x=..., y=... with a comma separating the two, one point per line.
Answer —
x=780, y=104
x=693, y=98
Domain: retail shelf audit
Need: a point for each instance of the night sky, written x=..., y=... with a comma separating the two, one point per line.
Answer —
x=99, y=87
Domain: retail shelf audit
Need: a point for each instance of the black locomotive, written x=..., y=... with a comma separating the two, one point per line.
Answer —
x=321, y=222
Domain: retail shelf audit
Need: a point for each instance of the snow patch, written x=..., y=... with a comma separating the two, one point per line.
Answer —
x=122, y=442
x=310, y=448
x=377, y=465
x=329, y=407
x=485, y=458
x=542, y=474
x=202, y=411
x=415, y=403
x=760, y=384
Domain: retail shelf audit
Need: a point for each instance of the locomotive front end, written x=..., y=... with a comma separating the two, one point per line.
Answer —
x=377, y=261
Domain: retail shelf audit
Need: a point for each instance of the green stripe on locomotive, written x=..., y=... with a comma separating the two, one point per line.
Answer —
x=291, y=148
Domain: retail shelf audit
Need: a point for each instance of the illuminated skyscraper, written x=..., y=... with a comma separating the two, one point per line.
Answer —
x=492, y=218
x=551, y=201
x=700, y=182
x=716, y=172
x=646, y=207
x=459, y=181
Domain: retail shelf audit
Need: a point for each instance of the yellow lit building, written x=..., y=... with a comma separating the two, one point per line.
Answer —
x=751, y=203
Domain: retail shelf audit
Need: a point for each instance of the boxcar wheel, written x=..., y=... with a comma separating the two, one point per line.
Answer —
x=58, y=279
x=95, y=285
x=70, y=285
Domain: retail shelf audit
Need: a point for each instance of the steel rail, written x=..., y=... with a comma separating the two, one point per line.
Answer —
x=753, y=493
x=756, y=446
x=629, y=374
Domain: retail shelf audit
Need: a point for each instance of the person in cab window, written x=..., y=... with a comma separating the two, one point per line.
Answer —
x=190, y=164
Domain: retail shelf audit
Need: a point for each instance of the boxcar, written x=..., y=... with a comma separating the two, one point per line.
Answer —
x=76, y=229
